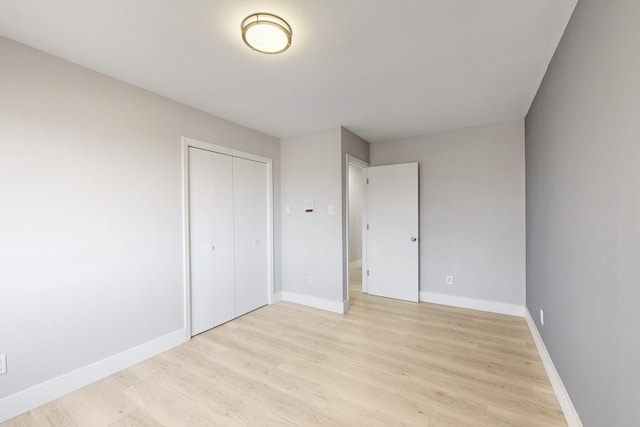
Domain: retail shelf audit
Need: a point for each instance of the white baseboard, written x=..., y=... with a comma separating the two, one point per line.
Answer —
x=276, y=297
x=315, y=302
x=475, y=304
x=346, y=305
x=23, y=401
x=564, y=400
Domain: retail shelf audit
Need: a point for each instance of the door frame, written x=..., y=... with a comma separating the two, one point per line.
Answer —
x=189, y=143
x=351, y=160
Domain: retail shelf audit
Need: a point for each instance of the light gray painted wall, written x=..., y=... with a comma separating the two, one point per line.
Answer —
x=315, y=244
x=472, y=210
x=583, y=211
x=312, y=242
x=355, y=213
x=91, y=213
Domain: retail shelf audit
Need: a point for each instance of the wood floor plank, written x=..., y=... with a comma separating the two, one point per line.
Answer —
x=386, y=363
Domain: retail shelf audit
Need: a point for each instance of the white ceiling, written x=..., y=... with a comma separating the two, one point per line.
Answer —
x=383, y=69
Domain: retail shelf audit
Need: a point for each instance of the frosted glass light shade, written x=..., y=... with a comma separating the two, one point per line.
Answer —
x=266, y=33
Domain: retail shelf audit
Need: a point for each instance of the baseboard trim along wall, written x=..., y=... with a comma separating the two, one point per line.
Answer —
x=564, y=400
x=475, y=304
x=23, y=401
x=315, y=302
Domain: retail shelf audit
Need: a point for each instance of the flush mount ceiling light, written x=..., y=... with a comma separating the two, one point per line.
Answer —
x=266, y=33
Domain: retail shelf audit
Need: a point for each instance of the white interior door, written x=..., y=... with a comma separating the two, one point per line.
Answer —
x=211, y=239
x=392, y=235
x=250, y=228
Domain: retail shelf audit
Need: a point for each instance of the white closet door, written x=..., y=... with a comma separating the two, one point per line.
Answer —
x=211, y=239
x=250, y=227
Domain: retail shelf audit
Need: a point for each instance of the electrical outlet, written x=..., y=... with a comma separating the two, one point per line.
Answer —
x=309, y=280
x=3, y=364
x=541, y=317
x=449, y=280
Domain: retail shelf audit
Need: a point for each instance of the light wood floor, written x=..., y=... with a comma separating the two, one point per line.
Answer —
x=386, y=363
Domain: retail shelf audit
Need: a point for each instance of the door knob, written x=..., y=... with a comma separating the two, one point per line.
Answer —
x=413, y=239
x=211, y=247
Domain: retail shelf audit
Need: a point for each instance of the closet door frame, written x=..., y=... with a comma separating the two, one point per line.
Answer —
x=186, y=144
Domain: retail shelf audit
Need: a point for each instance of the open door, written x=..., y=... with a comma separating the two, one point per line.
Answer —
x=392, y=231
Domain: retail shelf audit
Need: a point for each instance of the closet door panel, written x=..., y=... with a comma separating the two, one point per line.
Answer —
x=250, y=229
x=211, y=239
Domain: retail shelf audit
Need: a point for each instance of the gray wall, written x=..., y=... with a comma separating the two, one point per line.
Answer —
x=315, y=244
x=583, y=211
x=472, y=209
x=91, y=259
x=312, y=242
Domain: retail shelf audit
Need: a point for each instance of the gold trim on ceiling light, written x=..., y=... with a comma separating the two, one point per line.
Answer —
x=270, y=21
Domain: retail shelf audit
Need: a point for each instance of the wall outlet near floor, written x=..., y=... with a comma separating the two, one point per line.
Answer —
x=309, y=280
x=449, y=280
x=3, y=364
x=541, y=317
